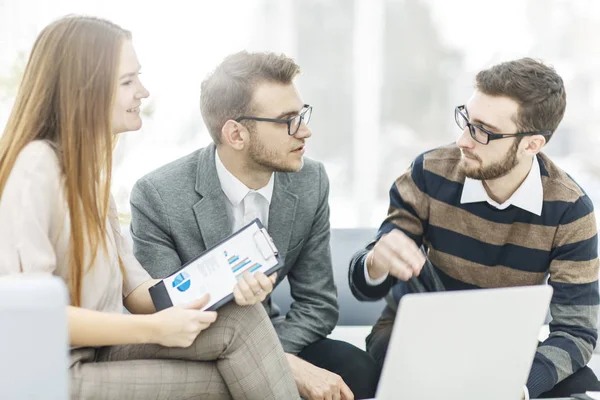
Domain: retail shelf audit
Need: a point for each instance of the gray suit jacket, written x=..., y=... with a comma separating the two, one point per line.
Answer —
x=178, y=211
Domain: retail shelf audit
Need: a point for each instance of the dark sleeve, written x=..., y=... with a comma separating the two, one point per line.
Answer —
x=409, y=212
x=574, y=305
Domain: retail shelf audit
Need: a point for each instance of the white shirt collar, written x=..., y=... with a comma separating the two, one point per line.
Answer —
x=529, y=196
x=234, y=189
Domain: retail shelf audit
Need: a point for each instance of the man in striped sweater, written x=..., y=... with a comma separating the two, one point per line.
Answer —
x=493, y=211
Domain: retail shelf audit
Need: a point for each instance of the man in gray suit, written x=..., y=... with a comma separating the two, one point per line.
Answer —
x=255, y=169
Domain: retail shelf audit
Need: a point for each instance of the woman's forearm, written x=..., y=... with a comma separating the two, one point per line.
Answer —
x=95, y=328
x=139, y=301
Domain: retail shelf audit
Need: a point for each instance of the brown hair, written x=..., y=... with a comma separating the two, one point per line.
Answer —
x=66, y=97
x=227, y=92
x=537, y=88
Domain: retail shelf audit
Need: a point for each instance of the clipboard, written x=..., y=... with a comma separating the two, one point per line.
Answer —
x=215, y=271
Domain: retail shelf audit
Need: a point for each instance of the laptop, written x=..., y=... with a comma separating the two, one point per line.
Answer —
x=467, y=345
x=34, y=341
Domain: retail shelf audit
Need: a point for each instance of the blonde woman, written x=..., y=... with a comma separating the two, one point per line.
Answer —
x=80, y=88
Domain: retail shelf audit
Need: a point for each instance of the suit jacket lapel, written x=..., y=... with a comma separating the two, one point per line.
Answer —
x=282, y=212
x=210, y=211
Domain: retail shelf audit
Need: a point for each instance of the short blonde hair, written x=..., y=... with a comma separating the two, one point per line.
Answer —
x=227, y=92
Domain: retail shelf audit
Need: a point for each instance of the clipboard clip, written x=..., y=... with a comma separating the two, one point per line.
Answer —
x=265, y=243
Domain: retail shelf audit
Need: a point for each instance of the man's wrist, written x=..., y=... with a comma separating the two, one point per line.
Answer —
x=371, y=280
x=295, y=366
x=292, y=360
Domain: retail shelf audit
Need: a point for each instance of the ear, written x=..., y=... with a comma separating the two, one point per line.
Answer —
x=534, y=144
x=234, y=134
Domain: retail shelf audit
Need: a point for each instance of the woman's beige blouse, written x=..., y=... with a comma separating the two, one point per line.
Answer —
x=35, y=231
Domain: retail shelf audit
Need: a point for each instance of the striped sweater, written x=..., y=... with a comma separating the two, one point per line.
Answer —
x=475, y=245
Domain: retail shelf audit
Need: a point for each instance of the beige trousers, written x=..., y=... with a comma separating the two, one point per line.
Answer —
x=237, y=357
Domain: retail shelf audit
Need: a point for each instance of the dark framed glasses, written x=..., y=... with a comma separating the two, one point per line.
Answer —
x=482, y=135
x=293, y=124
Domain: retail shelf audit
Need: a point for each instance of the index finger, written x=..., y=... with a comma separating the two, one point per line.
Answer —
x=252, y=282
x=264, y=282
x=416, y=260
x=336, y=395
x=198, y=303
x=346, y=392
x=207, y=316
x=406, y=249
x=244, y=288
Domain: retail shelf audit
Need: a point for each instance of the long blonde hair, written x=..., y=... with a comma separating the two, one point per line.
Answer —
x=66, y=97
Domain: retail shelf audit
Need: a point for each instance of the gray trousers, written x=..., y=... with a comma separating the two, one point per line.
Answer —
x=237, y=357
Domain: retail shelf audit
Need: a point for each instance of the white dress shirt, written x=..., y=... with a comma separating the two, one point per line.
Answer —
x=244, y=204
x=529, y=196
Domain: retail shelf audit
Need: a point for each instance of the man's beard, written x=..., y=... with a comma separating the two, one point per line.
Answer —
x=267, y=159
x=497, y=169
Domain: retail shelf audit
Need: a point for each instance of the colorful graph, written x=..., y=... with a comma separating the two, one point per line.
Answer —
x=240, y=265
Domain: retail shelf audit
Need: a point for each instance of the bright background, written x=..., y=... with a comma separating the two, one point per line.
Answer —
x=383, y=76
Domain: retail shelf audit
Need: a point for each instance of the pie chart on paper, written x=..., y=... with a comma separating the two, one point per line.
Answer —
x=182, y=281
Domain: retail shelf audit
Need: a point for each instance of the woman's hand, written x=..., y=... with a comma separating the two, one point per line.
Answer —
x=180, y=325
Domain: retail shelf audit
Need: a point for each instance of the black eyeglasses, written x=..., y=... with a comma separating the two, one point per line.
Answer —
x=293, y=123
x=482, y=135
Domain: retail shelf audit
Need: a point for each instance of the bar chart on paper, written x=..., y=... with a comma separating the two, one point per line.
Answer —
x=240, y=264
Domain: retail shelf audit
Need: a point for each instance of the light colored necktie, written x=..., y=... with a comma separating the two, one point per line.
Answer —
x=252, y=203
